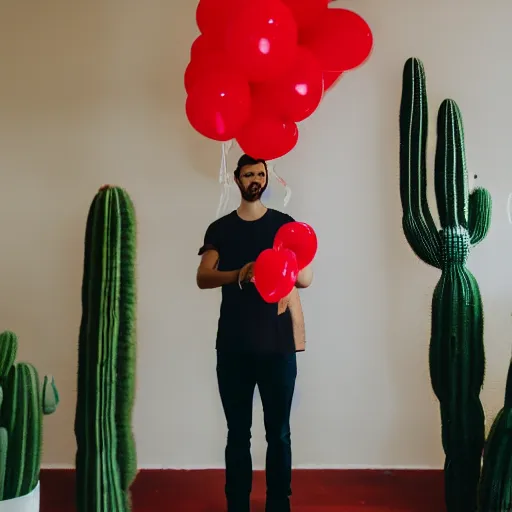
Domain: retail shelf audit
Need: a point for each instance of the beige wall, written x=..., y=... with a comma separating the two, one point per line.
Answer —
x=92, y=93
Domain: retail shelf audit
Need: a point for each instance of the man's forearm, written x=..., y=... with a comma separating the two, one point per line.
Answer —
x=297, y=315
x=210, y=278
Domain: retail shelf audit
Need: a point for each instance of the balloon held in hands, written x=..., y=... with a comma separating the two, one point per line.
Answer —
x=275, y=274
x=276, y=270
x=299, y=238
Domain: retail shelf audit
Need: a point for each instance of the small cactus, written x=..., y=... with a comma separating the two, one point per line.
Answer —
x=22, y=406
x=456, y=355
x=106, y=461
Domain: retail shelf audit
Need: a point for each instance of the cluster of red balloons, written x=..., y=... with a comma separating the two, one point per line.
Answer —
x=259, y=67
x=276, y=269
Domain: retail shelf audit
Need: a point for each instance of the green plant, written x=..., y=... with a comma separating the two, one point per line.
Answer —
x=456, y=354
x=495, y=492
x=22, y=405
x=106, y=462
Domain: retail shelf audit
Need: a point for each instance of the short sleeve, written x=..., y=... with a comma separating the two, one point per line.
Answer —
x=285, y=219
x=211, y=240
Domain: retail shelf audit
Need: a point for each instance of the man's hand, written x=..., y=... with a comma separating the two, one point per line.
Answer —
x=246, y=273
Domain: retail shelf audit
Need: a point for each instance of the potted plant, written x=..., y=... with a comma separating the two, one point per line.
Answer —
x=22, y=406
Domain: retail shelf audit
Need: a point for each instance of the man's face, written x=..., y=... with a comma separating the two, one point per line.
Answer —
x=253, y=181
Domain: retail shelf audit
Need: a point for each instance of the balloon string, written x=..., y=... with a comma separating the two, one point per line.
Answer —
x=288, y=193
x=224, y=178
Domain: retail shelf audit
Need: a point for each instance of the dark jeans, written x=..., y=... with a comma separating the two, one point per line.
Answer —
x=238, y=374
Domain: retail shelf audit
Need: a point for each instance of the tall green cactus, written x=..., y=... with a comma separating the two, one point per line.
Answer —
x=22, y=405
x=456, y=355
x=495, y=492
x=106, y=461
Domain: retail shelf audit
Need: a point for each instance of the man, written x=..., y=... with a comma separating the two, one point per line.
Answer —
x=255, y=340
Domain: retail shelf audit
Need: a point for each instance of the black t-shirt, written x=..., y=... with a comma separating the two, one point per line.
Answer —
x=247, y=323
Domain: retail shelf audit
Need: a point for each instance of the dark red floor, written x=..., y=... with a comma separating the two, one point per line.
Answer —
x=314, y=491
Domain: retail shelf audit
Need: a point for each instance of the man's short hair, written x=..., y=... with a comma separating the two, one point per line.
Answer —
x=248, y=160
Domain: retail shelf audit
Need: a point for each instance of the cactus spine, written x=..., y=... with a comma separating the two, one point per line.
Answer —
x=22, y=406
x=106, y=462
x=456, y=354
x=495, y=491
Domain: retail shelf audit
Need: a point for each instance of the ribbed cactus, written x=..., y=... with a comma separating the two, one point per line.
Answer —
x=22, y=405
x=495, y=493
x=106, y=461
x=456, y=356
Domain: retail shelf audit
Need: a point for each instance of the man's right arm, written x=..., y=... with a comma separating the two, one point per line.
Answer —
x=209, y=277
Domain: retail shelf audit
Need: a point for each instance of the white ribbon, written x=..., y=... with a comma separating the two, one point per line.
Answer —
x=224, y=178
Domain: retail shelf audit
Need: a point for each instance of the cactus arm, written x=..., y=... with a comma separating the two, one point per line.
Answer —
x=8, y=350
x=83, y=415
x=34, y=432
x=4, y=445
x=451, y=179
x=418, y=224
x=480, y=212
x=50, y=397
x=15, y=408
x=127, y=458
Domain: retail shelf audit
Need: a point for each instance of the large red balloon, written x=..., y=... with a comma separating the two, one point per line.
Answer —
x=267, y=136
x=203, y=46
x=212, y=16
x=203, y=63
x=297, y=94
x=299, y=238
x=331, y=78
x=341, y=41
x=306, y=12
x=261, y=38
x=219, y=104
x=275, y=274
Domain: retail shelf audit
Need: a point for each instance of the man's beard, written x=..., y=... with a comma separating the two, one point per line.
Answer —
x=253, y=192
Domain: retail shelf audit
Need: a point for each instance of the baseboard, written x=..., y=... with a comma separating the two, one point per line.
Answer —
x=300, y=467
x=164, y=488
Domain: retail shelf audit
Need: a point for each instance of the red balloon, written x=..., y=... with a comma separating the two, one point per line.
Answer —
x=268, y=137
x=212, y=16
x=297, y=94
x=204, y=64
x=299, y=238
x=261, y=38
x=341, y=41
x=306, y=12
x=275, y=274
x=331, y=78
x=203, y=46
x=219, y=105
